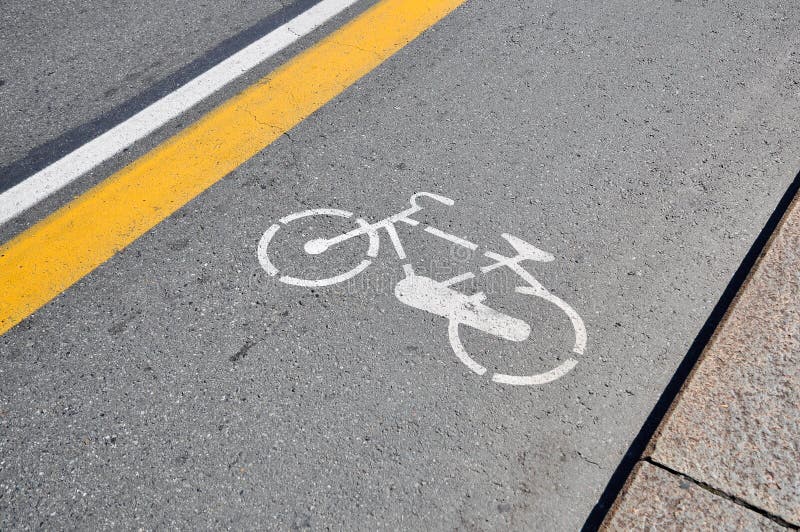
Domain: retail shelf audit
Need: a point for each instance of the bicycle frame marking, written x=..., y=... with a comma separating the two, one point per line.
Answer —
x=437, y=297
x=452, y=238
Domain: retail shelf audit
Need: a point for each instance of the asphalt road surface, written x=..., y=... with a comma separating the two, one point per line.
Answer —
x=642, y=144
x=67, y=64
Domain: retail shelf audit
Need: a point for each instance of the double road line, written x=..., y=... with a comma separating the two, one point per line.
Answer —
x=56, y=252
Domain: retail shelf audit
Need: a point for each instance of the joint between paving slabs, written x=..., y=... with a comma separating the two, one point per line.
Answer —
x=719, y=493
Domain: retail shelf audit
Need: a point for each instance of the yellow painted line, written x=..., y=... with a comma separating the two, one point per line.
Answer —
x=55, y=253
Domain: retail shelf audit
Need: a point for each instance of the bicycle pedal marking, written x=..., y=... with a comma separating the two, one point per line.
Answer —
x=437, y=297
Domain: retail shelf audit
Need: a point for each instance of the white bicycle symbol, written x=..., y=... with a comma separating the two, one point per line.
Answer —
x=437, y=297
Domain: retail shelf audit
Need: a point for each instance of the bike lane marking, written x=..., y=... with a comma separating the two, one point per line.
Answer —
x=452, y=238
x=436, y=296
x=64, y=171
x=46, y=259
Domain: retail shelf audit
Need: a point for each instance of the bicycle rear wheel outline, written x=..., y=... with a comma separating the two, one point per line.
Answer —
x=269, y=267
x=527, y=380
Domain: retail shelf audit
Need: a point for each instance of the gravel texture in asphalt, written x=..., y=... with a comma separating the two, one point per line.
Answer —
x=642, y=144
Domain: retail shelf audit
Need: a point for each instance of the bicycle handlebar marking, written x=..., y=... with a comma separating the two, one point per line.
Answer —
x=436, y=297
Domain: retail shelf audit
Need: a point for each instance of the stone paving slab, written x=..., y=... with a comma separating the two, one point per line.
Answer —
x=737, y=425
x=658, y=500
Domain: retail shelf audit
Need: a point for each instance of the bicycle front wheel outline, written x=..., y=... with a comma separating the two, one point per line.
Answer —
x=269, y=267
x=527, y=380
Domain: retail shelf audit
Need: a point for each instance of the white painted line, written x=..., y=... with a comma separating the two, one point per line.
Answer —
x=312, y=246
x=395, y=238
x=77, y=163
x=459, y=278
x=461, y=353
x=329, y=281
x=452, y=238
x=574, y=317
x=409, y=221
x=542, y=378
x=262, y=249
x=315, y=212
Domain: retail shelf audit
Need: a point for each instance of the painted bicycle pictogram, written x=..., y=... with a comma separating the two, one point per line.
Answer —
x=438, y=297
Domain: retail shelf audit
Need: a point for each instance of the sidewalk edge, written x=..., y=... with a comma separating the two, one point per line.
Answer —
x=642, y=443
